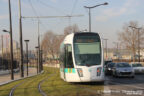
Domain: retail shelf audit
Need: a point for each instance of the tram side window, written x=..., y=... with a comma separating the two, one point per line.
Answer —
x=69, y=60
x=62, y=58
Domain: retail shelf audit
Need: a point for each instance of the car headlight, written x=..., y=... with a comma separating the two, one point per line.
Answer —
x=80, y=72
x=109, y=68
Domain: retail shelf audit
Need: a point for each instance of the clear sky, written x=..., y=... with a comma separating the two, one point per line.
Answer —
x=107, y=20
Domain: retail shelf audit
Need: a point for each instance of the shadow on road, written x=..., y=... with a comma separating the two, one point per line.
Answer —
x=138, y=79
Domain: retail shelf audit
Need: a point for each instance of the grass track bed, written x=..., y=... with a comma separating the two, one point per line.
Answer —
x=30, y=87
x=52, y=86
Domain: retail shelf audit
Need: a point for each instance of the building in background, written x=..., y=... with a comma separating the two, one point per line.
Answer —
x=5, y=57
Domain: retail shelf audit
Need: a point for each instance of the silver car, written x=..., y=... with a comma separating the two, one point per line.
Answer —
x=138, y=68
x=123, y=69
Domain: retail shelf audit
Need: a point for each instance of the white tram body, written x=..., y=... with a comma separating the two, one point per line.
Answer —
x=81, y=58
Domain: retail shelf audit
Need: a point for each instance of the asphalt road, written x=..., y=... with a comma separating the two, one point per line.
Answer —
x=124, y=86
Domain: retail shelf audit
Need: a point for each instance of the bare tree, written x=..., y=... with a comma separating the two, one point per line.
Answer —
x=129, y=37
x=51, y=44
x=71, y=29
x=47, y=43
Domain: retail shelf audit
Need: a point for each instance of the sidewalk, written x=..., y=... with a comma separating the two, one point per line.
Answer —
x=6, y=78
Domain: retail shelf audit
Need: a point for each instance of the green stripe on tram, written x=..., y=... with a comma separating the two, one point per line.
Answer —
x=69, y=70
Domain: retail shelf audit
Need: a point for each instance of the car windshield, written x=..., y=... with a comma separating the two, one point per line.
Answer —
x=123, y=65
x=111, y=65
x=107, y=62
x=87, y=50
x=137, y=65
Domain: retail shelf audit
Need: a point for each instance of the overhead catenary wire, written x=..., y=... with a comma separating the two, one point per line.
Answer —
x=74, y=6
x=67, y=16
x=33, y=7
x=49, y=6
x=36, y=14
x=39, y=48
x=40, y=17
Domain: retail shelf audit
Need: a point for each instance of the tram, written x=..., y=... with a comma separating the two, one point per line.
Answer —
x=81, y=58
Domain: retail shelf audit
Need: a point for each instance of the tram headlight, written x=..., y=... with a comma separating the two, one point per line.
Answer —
x=80, y=72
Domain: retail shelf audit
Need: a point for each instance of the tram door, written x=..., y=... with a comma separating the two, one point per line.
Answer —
x=68, y=58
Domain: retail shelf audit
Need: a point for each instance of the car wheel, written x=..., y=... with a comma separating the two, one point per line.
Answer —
x=113, y=74
x=116, y=76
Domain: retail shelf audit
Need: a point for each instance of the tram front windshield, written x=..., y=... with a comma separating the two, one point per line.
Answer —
x=87, y=49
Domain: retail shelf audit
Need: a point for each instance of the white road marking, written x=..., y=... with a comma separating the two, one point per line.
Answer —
x=129, y=85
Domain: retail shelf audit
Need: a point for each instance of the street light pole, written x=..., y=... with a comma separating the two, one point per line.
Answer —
x=26, y=41
x=11, y=41
x=139, y=44
x=89, y=8
x=21, y=41
x=2, y=49
x=37, y=59
x=117, y=48
x=106, y=46
x=138, y=40
x=41, y=59
x=89, y=20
